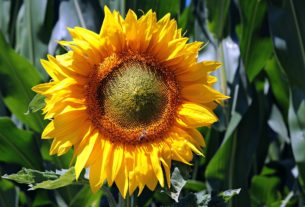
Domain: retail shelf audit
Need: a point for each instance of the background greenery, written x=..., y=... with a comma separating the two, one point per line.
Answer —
x=258, y=145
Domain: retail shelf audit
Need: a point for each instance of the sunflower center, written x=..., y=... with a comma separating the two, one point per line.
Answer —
x=133, y=95
x=132, y=99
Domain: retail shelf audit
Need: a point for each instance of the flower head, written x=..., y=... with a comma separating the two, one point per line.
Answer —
x=128, y=100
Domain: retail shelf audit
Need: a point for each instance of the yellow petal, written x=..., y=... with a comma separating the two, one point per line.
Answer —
x=61, y=85
x=141, y=168
x=116, y=161
x=198, y=72
x=83, y=156
x=112, y=30
x=42, y=88
x=49, y=129
x=201, y=93
x=107, y=159
x=129, y=159
x=193, y=115
x=133, y=171
x=197, y=136
x=122, y=180
x=75, y=62
x=166, y=162
x=95, y=175
x=155, y=160
x=180, y=151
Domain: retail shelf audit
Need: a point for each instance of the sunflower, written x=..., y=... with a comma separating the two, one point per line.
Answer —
x=128, y=100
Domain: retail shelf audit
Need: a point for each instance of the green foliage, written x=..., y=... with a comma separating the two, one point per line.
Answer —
x=255, y=48
x=8, y=194
x=257, y=147
x=265, y=188
x=296, y=121
x=17, y=76
x=32, y=32
x=289, y=44
x=18, y=146
x=218, y=16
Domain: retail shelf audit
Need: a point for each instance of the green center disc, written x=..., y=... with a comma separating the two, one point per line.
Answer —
x=133, y=95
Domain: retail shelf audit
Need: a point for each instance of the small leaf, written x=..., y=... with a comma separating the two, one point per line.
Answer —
x=228, y=194
x=195, y=200
x=177, y=183
x=45, y=180
x=37, y=103
x=29, y=176
x=64, y=180
x=204, y=199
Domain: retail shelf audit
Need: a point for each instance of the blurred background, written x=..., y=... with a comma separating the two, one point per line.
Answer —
x=257, y=146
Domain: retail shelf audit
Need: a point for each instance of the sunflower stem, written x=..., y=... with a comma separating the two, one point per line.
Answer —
x=109, y=196
x=129, y=201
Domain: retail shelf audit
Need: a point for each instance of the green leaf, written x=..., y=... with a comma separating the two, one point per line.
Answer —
x=287, y=26
x=18, y=146
x=168, y=6
x=86, y=198
x=42, y=198
x=221, y=199
x=73, y=13
x=8, y=194
x=296, y=120
x=63, y=180
x=37, y=103
x=32, y=32
x=230, y=166
x=17, y=76
x=195, y=185
x=199, y=199
x=160, y=7
x=277, y=124
x=45, y=180
x=229, y=194
x=204, y=199
x=279, y=83
x=186, y=20
x=255, y=49
x=29, y=176
x=5, y=7
x=218, y=16
x=265, y=188
x=217, y=171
